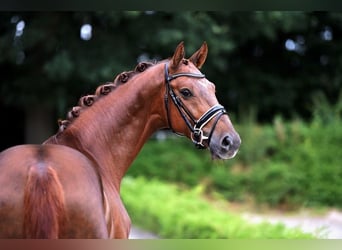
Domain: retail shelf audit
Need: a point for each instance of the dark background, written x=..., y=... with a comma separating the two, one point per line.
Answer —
x=264, y=63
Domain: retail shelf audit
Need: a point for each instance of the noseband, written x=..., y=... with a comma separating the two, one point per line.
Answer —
x=193, y=124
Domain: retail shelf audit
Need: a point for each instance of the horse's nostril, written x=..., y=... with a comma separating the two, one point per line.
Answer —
x=226, y=142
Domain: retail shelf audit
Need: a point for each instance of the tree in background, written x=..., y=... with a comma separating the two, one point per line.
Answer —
x=269, y=62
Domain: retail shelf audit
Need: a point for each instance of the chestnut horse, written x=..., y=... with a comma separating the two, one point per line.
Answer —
x=69, y=187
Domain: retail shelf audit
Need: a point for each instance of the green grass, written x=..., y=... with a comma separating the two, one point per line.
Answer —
x=177, y=213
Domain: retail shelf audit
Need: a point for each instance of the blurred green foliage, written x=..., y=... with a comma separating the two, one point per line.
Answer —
x=183, y=214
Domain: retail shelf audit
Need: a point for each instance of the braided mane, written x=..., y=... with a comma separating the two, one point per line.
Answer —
x=102, y=90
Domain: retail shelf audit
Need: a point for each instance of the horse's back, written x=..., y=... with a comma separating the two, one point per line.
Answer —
x=59, y=171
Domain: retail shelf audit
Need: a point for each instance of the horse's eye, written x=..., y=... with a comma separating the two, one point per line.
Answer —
x=186, y=92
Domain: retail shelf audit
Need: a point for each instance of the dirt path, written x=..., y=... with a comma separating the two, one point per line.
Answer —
x=327, y=226
x=137, y=233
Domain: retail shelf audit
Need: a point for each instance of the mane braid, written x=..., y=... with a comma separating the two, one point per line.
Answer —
x=102, y=90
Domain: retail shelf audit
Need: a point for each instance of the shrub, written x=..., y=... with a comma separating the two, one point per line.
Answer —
x=276, y=184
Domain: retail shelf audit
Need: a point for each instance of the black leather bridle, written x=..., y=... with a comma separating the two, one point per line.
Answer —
x=193, y=124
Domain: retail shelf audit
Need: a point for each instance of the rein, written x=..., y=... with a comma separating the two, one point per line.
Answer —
x=195, y=126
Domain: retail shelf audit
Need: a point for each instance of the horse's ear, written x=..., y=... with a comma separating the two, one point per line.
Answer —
x=198, y=58
x=177, y=56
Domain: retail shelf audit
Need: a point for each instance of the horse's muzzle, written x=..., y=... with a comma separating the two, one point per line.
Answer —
x=225, y=147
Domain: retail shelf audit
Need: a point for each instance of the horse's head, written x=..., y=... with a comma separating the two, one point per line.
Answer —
x=192, y=107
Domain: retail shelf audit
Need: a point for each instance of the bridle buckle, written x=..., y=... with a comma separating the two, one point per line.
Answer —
x=197, y=138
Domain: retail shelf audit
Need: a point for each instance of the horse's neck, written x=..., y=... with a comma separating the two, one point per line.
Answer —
x=114, y=129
